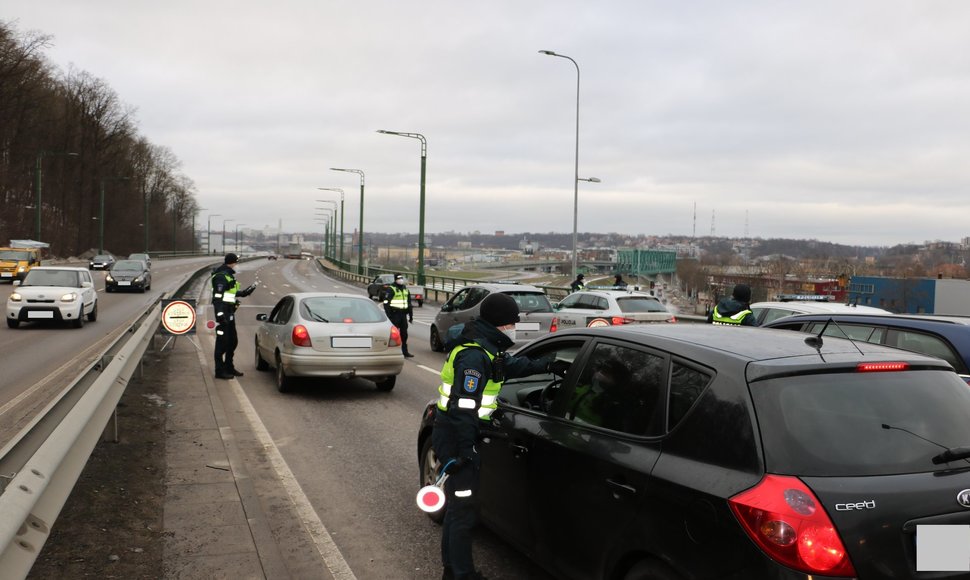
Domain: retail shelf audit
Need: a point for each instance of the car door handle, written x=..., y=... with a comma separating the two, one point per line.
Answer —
x=518, y=450
x=621, y=488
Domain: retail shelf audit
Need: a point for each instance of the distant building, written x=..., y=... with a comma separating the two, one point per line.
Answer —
x=912, y=295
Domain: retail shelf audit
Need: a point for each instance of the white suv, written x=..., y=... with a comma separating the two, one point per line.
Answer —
x=53, y=293
x=765, y=312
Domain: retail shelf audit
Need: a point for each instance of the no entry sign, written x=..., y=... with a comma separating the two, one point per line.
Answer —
x=178, y=316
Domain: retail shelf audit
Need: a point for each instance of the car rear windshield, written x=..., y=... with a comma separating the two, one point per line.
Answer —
x=860, y=424
x=530, y=302
x=640, y=304
x=340, y=309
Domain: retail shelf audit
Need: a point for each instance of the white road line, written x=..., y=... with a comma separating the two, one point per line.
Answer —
x=429, y=369
x=311, y=522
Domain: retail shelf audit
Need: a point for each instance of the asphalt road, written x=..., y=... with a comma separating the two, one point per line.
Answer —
x=352, y=448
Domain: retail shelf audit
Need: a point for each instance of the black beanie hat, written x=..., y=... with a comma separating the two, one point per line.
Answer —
x=742, y=293
x=499, y=309
x=231, y=258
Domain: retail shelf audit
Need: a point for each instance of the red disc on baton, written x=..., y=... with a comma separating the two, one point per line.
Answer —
x=431, y=498
x=210, y=324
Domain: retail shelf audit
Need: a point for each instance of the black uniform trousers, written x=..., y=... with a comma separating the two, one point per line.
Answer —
x=226, y=346
x=461, y=499
x=399, y=318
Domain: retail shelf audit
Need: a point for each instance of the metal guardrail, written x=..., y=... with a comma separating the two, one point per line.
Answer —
x=40, y=465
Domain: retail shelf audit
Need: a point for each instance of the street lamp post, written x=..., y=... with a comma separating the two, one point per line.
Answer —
x=101, y=213
x=360, y=233
x=194, y=233
x=40, y=158
x=424, y=165
x=576, y=178
x=333, y=227
x=224, y=234
x=208, y=234
x=331, y=214
x=238, y=246
x=341, y=191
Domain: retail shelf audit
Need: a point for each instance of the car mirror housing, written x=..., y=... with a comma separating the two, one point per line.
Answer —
x=262, y=317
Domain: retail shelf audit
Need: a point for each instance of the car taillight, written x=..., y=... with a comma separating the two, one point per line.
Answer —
x=782, y=516
x=554, y=325
x=882, y=367
x=395, y=338
x=672, y=319
x=301, y=336
x=618, y=320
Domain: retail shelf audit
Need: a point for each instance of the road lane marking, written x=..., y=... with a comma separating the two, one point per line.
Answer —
x=429, y=369
x=308, y=516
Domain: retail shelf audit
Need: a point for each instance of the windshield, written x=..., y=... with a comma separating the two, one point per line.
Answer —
x=836, y=424
x=640, y=304
x=14, y=255
x=52, y=278
x=128, y=265
x=530, y=302
x=101, y=258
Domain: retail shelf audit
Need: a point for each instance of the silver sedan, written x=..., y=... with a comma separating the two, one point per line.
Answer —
x=328, y=335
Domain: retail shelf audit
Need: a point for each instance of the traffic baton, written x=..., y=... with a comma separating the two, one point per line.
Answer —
x=431, y=498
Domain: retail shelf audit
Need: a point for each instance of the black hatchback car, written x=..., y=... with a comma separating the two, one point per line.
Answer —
x=701, y=452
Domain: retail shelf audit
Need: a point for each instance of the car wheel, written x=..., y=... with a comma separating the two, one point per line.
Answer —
x=284, y=384
x=261, y=365
x=436, y=345
x=650, y=570
x=79, y=321
x=428, y=468
x=13, y=323
x=387, y=384
x=93, y=315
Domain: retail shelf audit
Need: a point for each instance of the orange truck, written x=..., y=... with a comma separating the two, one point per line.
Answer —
x=16, y=261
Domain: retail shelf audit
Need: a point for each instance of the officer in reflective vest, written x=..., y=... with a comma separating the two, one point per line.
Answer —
x=578, y=284
x=225, y=294
x=397, y=305
x=470, y=382
x=735, y=310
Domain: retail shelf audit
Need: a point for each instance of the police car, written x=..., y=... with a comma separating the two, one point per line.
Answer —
x=610, y=307
x=792, y=304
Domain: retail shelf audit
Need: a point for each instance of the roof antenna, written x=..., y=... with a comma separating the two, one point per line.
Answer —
x=816, y=341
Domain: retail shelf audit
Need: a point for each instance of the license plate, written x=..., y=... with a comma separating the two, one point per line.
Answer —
x=124, y=283
x=351, y=342
x=527, y=326
x=6, y=275
x=40, y=314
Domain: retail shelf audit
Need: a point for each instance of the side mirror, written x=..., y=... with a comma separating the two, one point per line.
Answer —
x=446, y=308
x=262, y=317
x=87, y=284
x=16, y=282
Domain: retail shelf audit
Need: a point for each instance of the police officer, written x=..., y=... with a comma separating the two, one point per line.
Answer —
x=619, y=283
x=470, y=382
x=397, y=305
x=735, y=310
x=577, y=284
x=225, y=292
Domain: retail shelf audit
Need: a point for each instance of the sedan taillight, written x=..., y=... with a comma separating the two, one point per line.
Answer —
x=554, y=325
x=618, y=320
x=783, y=516
x=301, y=336
x=395, y=338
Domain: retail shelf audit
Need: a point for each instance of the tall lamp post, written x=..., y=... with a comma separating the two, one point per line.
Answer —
x=208, y=234
x=424, y=165
x=224, y=234
x=576, y=178
x=333, y=226
x=360, y=232
x=40, y=159
x=101, y=213
x=337, y=189
x=195, y=237
x=325, y=215
x=238, y=247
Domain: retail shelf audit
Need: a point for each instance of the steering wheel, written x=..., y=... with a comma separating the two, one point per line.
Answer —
x=548, y=392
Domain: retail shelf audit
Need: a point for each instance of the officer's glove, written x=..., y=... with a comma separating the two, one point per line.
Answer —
x=251, y=287
x=558, y=367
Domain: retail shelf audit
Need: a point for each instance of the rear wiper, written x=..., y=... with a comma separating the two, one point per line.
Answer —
x=948, y=455
x=317, y=317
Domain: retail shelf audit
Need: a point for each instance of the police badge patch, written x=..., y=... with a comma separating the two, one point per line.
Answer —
x=471, y=382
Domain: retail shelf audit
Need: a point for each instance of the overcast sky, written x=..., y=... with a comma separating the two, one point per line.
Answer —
x=839, y=121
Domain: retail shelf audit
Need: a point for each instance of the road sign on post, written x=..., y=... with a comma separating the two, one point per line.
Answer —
x=178, y=317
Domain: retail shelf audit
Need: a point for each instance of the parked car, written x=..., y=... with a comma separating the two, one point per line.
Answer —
x=945, y=337
x=141, y=256
x=592, y=308
x=101, y=262
x=128, y=275
x=765, y=312
x=53, y=293
x=675, y=451
x=382, y=281
x=323, y=335
x=536, y=315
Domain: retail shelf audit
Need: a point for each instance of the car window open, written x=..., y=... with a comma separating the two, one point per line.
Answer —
x=527, y=392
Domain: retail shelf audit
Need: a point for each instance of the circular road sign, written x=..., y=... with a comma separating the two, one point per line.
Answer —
x=178, y=317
